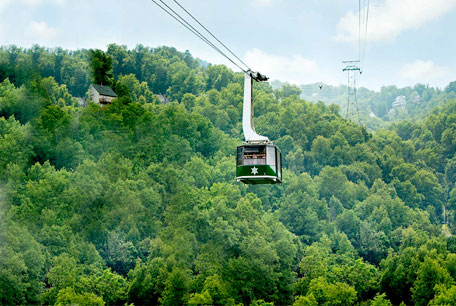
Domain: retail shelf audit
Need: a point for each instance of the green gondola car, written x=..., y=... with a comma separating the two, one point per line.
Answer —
x=259, y=164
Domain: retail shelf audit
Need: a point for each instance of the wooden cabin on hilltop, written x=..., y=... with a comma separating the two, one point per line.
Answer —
x=101, y=94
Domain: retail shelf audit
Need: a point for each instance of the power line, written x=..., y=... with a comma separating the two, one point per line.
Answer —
x=354, y=67
x=212, y=34
x=363, y=20
x=365, y=31
x=202, y=37
x=189, y=27
x=182, y=23
x=359, y=30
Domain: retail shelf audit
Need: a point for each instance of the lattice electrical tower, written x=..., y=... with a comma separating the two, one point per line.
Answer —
x=352, y=69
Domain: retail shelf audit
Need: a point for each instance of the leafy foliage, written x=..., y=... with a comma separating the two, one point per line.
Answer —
x=136, y=202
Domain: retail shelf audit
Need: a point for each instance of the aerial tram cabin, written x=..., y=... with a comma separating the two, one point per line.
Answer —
x=259, y=164
x=258, y=160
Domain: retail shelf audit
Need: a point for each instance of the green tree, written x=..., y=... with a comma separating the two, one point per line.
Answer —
x=203, y=298
x=21, y=265
x=218, y=76
x=288, y=90
x=64, y=273
x=107, y=285
x=176, y=288
x=444, y=296
x=332, y=294
x=429, y=275
x=308, y=300
x=68, y=296
x=101, y=66
x=381, y=300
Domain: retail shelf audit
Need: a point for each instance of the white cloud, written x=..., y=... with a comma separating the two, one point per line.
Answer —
x=4, y=3
x=38, y=2
x=296, y=69
x=262, y=3
x=387, y=19
x=423, y=71
x=41, y=31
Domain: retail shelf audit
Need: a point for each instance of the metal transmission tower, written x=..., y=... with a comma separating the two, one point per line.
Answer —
x=352, y=67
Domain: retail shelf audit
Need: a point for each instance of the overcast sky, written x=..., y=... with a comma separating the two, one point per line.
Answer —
x=300, y=41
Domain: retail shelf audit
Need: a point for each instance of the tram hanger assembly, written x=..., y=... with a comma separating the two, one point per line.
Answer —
x=258, y=160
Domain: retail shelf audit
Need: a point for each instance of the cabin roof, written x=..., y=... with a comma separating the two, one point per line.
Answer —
x=104, y=90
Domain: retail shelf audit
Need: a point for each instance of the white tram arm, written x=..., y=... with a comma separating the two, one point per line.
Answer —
x=247, y=115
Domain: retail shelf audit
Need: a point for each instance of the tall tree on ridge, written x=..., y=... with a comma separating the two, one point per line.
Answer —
x=101, y=65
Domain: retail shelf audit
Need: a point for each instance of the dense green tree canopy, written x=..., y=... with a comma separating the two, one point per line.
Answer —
x=136, y=203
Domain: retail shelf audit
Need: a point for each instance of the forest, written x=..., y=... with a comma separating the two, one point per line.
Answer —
x=136, y=203
x=374, y=109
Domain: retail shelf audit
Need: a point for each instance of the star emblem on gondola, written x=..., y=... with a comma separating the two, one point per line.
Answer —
x=254, y=170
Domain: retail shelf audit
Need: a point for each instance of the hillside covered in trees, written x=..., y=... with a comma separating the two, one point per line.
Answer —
x=136, y=203
x=377, y=109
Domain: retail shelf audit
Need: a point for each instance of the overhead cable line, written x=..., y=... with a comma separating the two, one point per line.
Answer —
x=353, y=68
x=212, y=34
x=365, y=30
x=193, y=30
x=182, y=23
x=189, y=27
x=359, y=30
x=363, y=20
x=360, y=55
